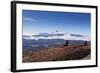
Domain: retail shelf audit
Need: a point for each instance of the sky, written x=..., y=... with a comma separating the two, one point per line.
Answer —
x=50, y=21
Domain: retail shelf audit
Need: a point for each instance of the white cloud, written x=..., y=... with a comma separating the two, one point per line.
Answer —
x=66, y=36
x=29, y=19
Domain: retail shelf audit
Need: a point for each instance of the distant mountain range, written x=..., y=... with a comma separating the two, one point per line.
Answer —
x=45, y=40
x=57, y=35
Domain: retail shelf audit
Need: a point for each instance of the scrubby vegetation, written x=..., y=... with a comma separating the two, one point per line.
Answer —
x=59, y=53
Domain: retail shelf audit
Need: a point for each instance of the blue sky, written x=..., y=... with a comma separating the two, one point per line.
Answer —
x=50, y=21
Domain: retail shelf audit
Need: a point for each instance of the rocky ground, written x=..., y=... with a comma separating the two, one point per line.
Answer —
x=60, y=53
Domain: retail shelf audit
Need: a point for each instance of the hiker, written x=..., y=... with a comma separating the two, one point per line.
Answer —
x=66, y=43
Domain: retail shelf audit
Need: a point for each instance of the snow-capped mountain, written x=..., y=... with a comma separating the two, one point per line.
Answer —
x=57, y=35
